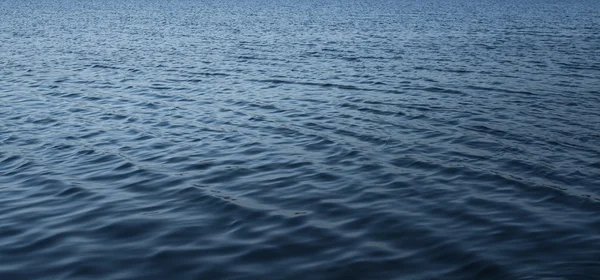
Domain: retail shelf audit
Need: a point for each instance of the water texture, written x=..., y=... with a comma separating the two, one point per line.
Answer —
x=299, y=139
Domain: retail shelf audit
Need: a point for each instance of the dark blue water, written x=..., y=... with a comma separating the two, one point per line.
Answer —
x=299, y=139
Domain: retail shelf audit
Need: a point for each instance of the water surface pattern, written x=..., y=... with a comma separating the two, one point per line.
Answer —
x=299, y=139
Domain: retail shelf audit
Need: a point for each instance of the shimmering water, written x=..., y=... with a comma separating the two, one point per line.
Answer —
x=299, y=139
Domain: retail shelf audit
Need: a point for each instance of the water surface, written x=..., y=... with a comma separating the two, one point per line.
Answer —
x=299, y=139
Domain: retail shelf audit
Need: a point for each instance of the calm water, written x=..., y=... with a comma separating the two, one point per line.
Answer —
x=300, y=139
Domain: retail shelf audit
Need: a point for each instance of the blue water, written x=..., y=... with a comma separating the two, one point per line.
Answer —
x=300, y=139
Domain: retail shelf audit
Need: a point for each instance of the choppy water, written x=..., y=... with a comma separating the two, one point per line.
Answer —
x=300, y=139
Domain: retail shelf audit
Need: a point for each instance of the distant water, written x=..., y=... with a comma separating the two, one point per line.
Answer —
x=301, y=139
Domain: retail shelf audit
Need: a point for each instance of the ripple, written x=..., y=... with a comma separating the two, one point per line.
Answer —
x=289, y=141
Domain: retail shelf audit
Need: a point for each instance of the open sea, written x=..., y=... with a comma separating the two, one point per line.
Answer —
x=331, y=139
